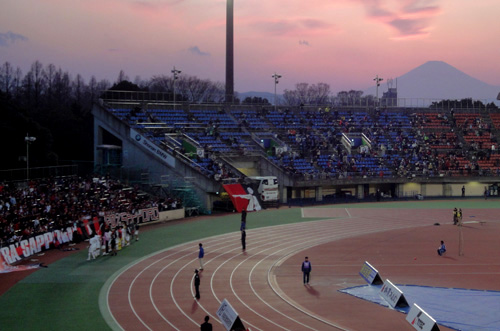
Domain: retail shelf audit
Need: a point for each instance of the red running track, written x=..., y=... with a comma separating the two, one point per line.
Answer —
x=264, y=284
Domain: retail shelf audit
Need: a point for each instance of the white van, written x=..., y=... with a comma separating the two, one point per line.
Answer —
x=268, y=188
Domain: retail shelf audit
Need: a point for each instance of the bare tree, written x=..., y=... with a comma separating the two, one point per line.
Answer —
x=50, y=73
x=92, y=89
x=121, y=77
x=196, y=88
x=216, y=93
x=305, y=94
x=291, y=98
x=62, y=87
x=38, y=76
x=342, y=98
x=322, y=93
x=181, y=87
x=90, y=94
x=103, y=85
x=354, y=97
x=6, y=77
x=189, y=88
x=27, y=86
x=78, y=86
x=140, y=82
x=161, y=84
x=17, y=83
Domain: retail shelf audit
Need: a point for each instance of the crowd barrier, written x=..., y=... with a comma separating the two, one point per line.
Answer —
x=81, y=230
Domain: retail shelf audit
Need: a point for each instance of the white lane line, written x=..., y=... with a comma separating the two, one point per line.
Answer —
x=298, y=235
x=188, y=246
x=279, y=229
x=214, y=239
x=268, y=235
x=150, y=294
x=327, y=237
x=266, y=230
x=266, y=303
x=224, y=249
x=275, y=288
x=286, y=239
x=191, y=288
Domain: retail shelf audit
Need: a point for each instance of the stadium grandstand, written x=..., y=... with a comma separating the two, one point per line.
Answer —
x=318, y=154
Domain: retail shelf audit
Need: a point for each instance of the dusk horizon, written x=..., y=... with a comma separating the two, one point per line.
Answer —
x=343, y=44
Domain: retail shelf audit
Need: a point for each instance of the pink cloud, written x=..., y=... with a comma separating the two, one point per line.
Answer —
x=375, y=8
x=291, y=26
x=314, y=24
x=415, y=6
x=410, y=18
x=153, y=7
x=142, y=9
x=409, y=27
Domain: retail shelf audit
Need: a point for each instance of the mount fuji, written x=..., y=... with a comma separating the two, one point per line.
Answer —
x=439, y=80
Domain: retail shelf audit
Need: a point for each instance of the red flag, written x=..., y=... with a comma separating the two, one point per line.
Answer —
x=96, y=226
x=87, y=227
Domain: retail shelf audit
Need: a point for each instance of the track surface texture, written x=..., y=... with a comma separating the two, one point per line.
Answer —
x=264, y=283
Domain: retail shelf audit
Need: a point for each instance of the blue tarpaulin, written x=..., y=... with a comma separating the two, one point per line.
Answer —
x=459, y=309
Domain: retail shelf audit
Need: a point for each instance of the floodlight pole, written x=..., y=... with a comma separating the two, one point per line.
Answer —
x=377, y=80
x=276, y=81
x=28, y=140
x=176, y=73
x=229, y=98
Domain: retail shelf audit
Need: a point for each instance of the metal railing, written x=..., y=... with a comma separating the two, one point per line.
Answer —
x=12, y=175
x=144, y=99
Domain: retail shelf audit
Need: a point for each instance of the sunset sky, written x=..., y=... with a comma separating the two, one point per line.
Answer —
x=344, y=43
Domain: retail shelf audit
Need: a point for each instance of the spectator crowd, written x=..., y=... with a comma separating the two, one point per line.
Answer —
x=50, y=204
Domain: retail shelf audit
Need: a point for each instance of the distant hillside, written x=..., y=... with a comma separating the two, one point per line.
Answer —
x=439, y=80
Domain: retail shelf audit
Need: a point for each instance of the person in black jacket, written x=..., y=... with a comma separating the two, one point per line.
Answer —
x=197, y=284
x=243, y=239
x=243, y=225
x=206, y=326
x=306, y=269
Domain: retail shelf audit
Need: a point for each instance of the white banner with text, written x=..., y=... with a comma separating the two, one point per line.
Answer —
x=153, y=148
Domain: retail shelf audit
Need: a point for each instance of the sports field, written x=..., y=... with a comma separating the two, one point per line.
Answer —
x=147, y=286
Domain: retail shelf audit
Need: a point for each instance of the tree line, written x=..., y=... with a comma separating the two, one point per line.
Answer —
x=50, y=104
x=55, y=107
x=320, y=95
x=467, y=103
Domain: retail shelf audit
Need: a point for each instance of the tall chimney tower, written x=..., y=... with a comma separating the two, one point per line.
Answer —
x=229, y=53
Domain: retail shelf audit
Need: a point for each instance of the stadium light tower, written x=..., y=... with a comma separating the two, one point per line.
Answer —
x=276, y=81
x=229, y=52
x=28, y=140
x=176, y=74
x=377, y=80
